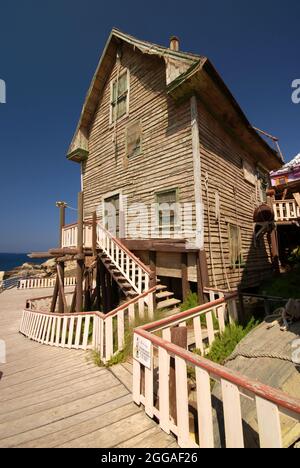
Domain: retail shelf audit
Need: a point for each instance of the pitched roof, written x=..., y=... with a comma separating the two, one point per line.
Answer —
x=106, y=60
x=197, y=68
x=294, y=163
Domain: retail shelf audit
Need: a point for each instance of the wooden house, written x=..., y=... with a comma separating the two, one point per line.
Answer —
x=159, y=127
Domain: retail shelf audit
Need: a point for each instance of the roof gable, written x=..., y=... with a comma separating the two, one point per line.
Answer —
x=177, y=62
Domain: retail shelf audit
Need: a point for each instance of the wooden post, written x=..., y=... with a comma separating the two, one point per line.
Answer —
x=62, y=219
x=152, y=260
x=62, y=303
x=275, y=250
x=184, y=275
x=109, y=291
x=80, y=263
x=55, y=294
x=102, y=272
x=94, y=234
x=179, y=338
x=200, y=282
x=98, y=285
x=87, y=293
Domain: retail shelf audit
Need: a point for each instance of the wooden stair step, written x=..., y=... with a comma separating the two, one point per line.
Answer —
x=160, y=287
x=167, y=303
x=164, y=294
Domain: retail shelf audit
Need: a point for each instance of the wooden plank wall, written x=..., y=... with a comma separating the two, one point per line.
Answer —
x=221, y=159
x=166, y=159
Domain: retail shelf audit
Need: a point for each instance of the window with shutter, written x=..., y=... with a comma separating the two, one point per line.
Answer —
x=119, y=96
x=134, y=139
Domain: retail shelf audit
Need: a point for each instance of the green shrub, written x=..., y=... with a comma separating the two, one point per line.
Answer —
x=225, y=344
x=122, y=356
x=191, y=302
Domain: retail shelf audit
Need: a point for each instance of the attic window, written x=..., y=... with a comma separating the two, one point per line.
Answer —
x=134, y=139
x=119, y=97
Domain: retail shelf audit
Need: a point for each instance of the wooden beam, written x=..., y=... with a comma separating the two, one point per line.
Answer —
x=62, y=219
x=40, y=255
x=184, y=275
x=80, y=263
x=157, y=246
x=98, y=285
x=55, y=294
x=62, y=302
x=179, y=338
x=94, y=234
x=63, y=252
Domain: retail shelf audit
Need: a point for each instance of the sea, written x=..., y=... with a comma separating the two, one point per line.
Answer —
x=8, y=261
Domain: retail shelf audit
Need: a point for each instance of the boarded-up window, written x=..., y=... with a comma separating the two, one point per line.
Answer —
x=134, y=139
x=167, y=210
x=263, y=183
x=119, y=97
x=249, y=173
x=235, y=245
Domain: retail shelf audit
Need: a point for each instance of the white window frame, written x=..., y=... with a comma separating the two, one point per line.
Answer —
x=164, y=229
x=111, y=121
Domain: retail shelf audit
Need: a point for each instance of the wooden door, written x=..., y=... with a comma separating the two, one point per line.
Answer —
x=112, y=215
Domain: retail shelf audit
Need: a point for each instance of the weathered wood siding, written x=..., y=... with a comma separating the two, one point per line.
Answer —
x=166, y=159
x=221, y=159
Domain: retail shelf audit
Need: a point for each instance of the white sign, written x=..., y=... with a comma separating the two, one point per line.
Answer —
x=142, y=351
x=2, y=352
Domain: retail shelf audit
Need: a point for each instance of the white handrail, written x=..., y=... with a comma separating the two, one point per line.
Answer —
x=136, y=273
x=271, y=404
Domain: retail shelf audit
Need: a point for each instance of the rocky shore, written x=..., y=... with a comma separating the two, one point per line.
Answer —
x=33, y=270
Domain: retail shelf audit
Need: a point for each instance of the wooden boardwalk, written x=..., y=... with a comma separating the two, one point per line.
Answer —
x=52, y=397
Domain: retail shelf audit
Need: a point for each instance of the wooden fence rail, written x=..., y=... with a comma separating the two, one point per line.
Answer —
x=194, y=421
x=36, y=283
x=106, y=333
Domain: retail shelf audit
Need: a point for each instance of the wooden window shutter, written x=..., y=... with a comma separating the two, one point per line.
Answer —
x=134, y=139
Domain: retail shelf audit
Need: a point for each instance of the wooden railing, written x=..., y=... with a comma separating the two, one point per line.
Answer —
x=62, y=330
x=132, y=268
x=9, y=283
x=36, y=283
x=70, y=235
x=193, y=422
x=106, y=333
x=286, y=210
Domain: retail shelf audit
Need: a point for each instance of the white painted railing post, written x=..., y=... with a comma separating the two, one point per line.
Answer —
x=163, y=390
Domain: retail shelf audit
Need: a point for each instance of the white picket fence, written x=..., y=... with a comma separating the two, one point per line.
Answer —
x=86, y=330
x=36, y=283
x=151, y=385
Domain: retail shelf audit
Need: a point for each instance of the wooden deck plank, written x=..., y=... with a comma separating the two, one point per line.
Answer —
x=57, y=397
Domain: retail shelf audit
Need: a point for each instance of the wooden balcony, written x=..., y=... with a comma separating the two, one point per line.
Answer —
x=70, y=235
x=286, y=210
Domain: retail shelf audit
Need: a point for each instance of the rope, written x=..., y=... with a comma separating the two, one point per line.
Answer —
x=259, y=354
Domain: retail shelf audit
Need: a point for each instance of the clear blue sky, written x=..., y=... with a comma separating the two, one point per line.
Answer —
x=49, y=51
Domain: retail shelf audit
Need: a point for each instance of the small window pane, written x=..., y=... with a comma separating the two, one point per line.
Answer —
x=166, y=202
